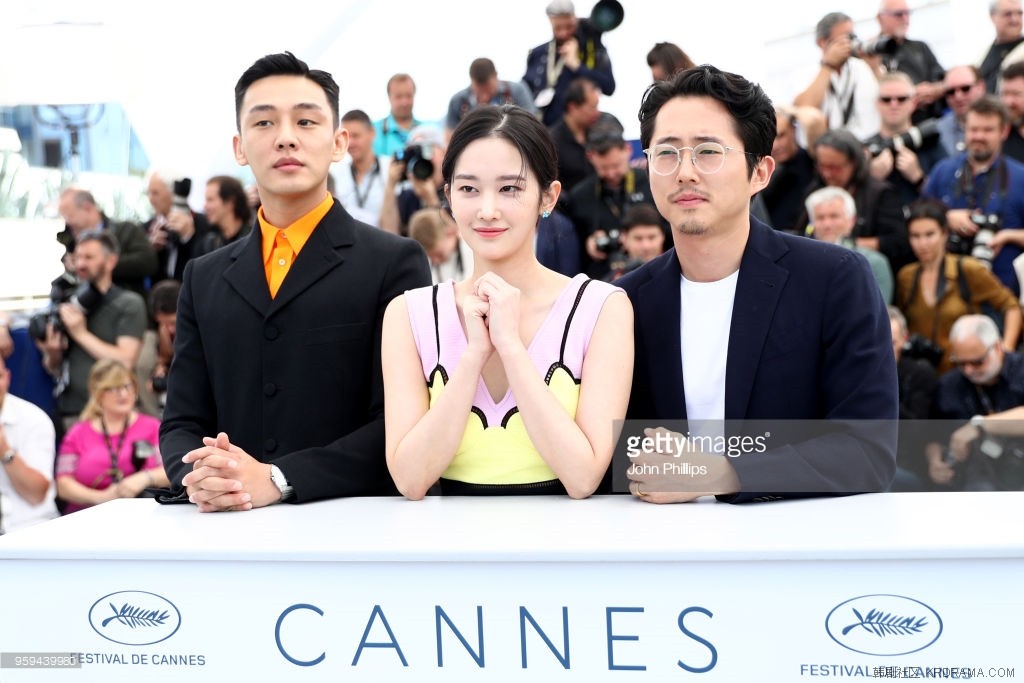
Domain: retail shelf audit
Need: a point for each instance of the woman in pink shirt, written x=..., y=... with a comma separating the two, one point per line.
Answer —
x=112, y=452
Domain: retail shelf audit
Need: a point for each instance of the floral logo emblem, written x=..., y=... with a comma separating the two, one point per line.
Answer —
x=134, y=618
x=885, y=625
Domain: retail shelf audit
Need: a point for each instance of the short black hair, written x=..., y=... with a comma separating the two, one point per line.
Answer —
x=1015, y=70
x=847, y=144
x=163, y=297
x=357, y=115
x=928, y=208
x=285, y=64
x=105, y=239
x=990, y=105
x=751, y=109
x=482, y=70
x=640, y=214
x=670, y=57
x=578, y=90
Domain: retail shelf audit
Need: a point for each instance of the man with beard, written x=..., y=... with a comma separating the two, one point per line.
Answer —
x=986, y=387
x=743, y=322
x=1011, y=92
x=985, y=192
x=104, y=322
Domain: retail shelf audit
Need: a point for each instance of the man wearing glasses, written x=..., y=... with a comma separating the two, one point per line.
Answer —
x=902, y=154
x=741, y=322
x=1007, y=48
x=986, y=388
x=915, y=58
x=964, y=87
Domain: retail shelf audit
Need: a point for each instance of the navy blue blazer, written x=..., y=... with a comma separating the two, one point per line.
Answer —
x=810, y=340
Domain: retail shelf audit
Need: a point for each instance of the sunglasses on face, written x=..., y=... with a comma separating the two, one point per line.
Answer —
x=962, y=89
x=889, y=99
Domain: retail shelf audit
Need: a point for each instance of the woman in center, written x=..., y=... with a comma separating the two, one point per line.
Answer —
x=507, y=382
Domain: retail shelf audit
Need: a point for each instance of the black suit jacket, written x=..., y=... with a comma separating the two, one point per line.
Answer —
x=810, y=340
x=294, y=380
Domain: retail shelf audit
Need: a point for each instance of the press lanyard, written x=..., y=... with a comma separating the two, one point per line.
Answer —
x=115, y=471
x=361, y=197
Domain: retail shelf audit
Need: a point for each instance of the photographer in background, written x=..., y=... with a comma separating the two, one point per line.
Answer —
x=414, y=179
x=895, y=52
x=941, y=287
x=984, y=191
x=902, y=153
x=163, y=306
x=575, y=50
x=175, y=230
x=986, y=387
x=101, y=320
x=598, y=203
x=137, y=261
x=228, y=213
x=642, y=239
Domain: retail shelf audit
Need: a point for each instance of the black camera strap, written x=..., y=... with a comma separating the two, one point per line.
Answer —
x=940, y=291
x=997, y=174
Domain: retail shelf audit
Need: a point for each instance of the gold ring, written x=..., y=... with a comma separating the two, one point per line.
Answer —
x=639, y=493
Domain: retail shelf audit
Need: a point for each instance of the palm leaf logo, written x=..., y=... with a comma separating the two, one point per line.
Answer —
x=136, y=617
x=884, y=624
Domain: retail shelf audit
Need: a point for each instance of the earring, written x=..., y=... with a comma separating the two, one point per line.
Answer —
x=545, y=214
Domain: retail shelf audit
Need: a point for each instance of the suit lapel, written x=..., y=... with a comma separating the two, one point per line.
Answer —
x=657, y=311
x=758, y=289
x=320, y=255
x=246, y=274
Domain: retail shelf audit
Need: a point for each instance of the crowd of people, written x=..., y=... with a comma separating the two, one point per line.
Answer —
x=474, y=303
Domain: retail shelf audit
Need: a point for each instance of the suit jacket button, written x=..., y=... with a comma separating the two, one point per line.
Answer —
x=270, y=445
x=269, y=389
x=270, y=332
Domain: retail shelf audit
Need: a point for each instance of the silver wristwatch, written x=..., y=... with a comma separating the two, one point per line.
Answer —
x=7, y=457
x=277, y=476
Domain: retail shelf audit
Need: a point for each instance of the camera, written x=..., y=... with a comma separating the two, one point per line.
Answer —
x=180, y=189
x=64, y=289
x=919, y=346
x=418, y=160
x=978, y=246
x=882, y=45
x=914, y=138
x=987, y=226
x=609, y=243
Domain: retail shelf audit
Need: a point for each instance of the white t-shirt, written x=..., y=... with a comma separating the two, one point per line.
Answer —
x=29, y=432
x=364, y=200
x=705, y=320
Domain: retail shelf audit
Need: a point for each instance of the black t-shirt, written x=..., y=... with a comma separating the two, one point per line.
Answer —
x=990, y=66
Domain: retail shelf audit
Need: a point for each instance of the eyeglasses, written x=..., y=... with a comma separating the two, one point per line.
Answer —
x=889, y=99
x=121, y=388
x=962, y=89
x=972, y=362
x=707, y=157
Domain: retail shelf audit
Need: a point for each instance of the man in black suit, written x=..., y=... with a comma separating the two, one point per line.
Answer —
x=742, y=322
x=275, y=392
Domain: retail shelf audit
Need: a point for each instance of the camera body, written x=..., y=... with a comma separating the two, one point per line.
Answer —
x=66, y=288
x=180, y=190
x=987, y=224
x=882, y=45
x=610, y=242
x=978, y=246
x=418, y=160
x=913, y=138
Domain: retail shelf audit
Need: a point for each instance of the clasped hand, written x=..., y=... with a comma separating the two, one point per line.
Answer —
x=224, y=477
x=662, y=473
x=492, y=316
